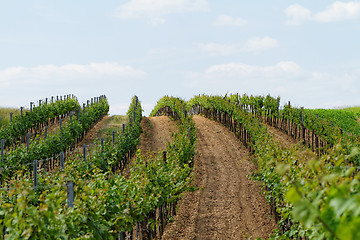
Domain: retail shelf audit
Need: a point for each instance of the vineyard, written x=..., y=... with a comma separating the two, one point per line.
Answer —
x=206, y=182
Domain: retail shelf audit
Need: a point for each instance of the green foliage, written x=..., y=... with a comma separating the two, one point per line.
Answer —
x=177, y=105
x=60, y=141
x=355, y=110
x=39, y=115
x=345, y=120
x=111, y=154
x=332, y=126
x=5, y=116
x=104, y=203
x=316, y=198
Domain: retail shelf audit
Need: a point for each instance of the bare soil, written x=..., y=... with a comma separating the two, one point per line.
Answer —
x=282, y=138
x=92, y=134
x=227, y=204
x=156, y=134
x=287, y=142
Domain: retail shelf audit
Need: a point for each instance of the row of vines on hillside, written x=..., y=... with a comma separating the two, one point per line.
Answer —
x=63, y=140
x=37, y=118
x=320, y=130
x=313, y=198
x=317, y=133
x=106, y=205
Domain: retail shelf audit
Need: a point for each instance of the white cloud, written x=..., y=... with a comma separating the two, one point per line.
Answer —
x=226, y=20
x=297, y=14
x=157, y=21
x=52, y=74
x=217, y=49
x=255, y=45
x=154, y=10
x=118, y=82
x=338, y=11
x=241, y=69
x=258, y=44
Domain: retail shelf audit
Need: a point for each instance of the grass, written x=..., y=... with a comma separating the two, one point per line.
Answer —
x=113, y=123
x=355, y=109
x=5, y=115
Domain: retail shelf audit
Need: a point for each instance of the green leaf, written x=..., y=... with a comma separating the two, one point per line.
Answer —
x=293, y=196
x=282, y=168
x=305, y=212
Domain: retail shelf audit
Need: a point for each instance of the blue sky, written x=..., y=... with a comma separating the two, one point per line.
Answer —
x=303, y=51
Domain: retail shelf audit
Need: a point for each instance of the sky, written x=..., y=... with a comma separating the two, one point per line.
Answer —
x=306, y=52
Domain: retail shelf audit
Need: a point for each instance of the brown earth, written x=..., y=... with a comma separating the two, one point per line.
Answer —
x=92, y=134
x=227, y=204
x=287, y=142
x=157, y=132
x=282, y=138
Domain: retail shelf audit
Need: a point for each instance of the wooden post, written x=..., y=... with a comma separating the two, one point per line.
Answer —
x=121, y=236
x=2, y=149
x=123, y=128
x=113, y=137
x=61, y=126
x=84, y=152
x=21, y=111
x=27, y=142
x=289, y=119
x=102, y=145
x=70, y=193
x=62, y=161
x=11, y=114
x=302, y=124
x=35, y=174
x=164, y=157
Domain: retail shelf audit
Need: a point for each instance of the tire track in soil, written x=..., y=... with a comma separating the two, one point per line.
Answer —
x=227, y=204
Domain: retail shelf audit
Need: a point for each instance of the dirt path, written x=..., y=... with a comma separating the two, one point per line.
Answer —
x=287, y=142
x=227, y=205
x=282, y=138
x=156, y=133
x=93, y=133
